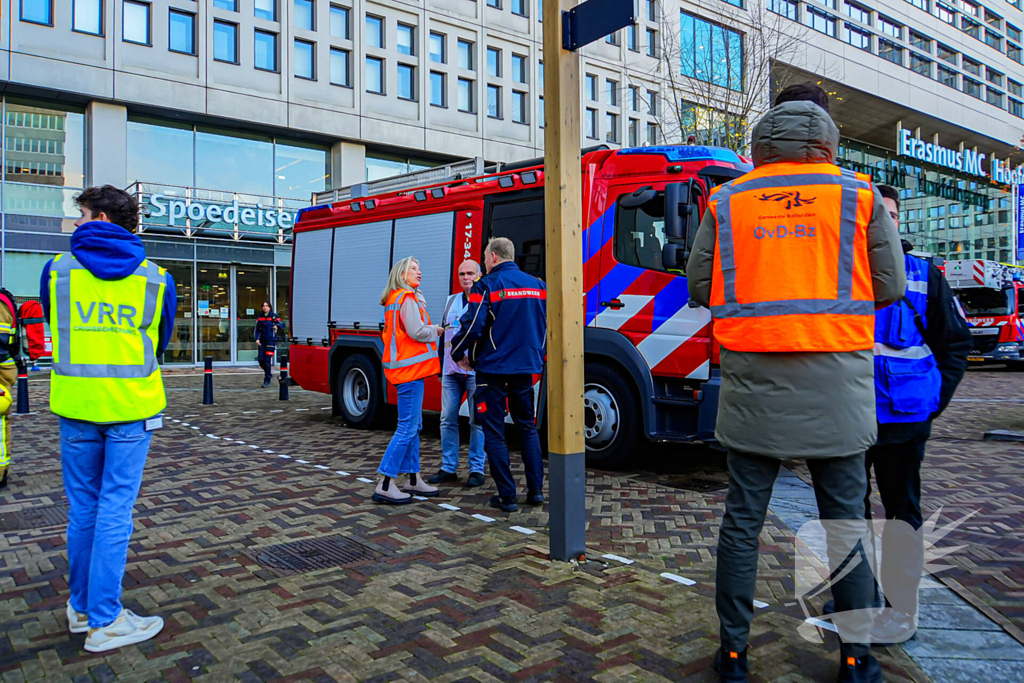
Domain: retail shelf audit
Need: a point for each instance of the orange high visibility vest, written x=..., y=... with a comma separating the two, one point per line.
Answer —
x=406, y=360
x=791, y=268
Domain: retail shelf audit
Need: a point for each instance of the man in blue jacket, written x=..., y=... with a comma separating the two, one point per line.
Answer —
x=502, y=337
x=111, y=313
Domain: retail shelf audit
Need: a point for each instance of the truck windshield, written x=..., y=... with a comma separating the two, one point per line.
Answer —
x=982, y=301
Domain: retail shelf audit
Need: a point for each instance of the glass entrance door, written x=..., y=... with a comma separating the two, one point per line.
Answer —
x=213, y=312
x=252, y=288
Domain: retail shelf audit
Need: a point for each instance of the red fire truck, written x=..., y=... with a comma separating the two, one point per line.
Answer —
x=650, y=359
x=992, y=297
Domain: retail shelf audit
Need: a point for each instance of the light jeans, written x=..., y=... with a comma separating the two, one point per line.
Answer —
x=453, y=386
x=403, y=453
x=103, y=466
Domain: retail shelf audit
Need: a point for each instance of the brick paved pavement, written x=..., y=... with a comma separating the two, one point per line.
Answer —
x=447, y=597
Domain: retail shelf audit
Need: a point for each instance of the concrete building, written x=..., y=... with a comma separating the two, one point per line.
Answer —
x=225, y=115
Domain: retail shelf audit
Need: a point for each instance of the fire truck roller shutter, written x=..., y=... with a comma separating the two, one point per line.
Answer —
x=361, y=266
x=429, y=239
x=310, y=283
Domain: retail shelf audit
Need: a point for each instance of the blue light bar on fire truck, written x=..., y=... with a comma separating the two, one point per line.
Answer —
x=691, y=153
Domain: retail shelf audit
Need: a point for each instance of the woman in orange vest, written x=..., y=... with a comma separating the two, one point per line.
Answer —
x=410, y=354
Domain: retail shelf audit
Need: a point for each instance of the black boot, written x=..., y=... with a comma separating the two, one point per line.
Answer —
x=266, y=382
x=864, y=669
x=732, y=667
x=3, y=482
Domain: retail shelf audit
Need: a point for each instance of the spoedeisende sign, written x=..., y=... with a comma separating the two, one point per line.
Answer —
x=966, y=161
x=176, y=208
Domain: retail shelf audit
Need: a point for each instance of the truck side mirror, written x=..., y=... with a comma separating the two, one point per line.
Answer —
x=674, y=256
x=678, y=210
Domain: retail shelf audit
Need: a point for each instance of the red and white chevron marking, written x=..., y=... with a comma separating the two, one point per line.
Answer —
x=979, y=272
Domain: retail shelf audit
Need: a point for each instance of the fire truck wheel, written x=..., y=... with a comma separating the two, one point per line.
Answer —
x=610, y=416
x=358, y=391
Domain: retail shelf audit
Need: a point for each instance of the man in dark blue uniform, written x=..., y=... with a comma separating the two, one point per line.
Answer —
x=502, y=337
x=266, y=340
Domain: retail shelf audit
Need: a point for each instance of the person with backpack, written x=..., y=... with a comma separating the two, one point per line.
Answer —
x=10, y=345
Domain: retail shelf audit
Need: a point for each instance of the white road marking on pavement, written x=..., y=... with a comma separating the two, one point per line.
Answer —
x=254, y=446
x=228, y=438
x=678, y=579
x=240, y=443
x=213, y=436
x=248, y=412
x=419, y=497
x=364, y=480
x=321, y=467
x=483, y=518
x=326, y=408
x=760, y=605
x=173, y=420
x=341, y=473
x=277, y=411
x=188, y=416
x=523, y=530
x=304, y=462
x=449, y=506
x=221, y=414
x=301, y=410
x=282, y=455
x=617, y=558
x=184, y=424
x=827, y=625
x=194, y=427
x=270, y=452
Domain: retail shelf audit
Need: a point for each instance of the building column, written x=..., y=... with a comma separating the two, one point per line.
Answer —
x=106, y=144
x=348, y=164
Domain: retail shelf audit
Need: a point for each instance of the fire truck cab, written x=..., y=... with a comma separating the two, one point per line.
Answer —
x=651, y=363
x=992, y=297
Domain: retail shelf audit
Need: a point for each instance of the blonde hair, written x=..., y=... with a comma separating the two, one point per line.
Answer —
x=503, y=248
x=396, y=280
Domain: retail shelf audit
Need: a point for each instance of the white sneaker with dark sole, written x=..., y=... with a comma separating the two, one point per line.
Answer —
x=78, y=622
x=128, y=629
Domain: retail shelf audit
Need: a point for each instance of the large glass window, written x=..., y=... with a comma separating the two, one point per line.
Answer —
x=37, y=12
x=385, y=165
x=519, y=106
x=406, y=42
x=234, y=161
x=438, y=89
x=340, y=22
x=466, y=55
x=225, y=42
x=406, y=82
x=160, y=153
x=787, y=8
x=920, y=65
x=230, y=5
x=947, y=76
x=181, y=32
x=265, y=9
x=136, y=22
x=213, y=302
x=467, y=100
x=890, y=51
x=305, y=62
x=519, y=68
x=711, y=53
x=823, y=22
x=494, y=62
x=304, y=15
x=265, y=51
x=341, y=68
x=858, y=13
x=437, y=48
x=920, y=41
x=857, y=37
x=252, y=288
x=374, y=31
x=375, y=75
x=179, y=346
x=494, y=101
x=88, y=17
x=44, y=146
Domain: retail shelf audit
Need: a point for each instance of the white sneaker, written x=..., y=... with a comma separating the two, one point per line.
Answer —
x=78, y=622
x=128, y=629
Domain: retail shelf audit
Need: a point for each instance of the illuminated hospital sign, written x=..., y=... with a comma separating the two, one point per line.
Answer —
x=176, y=209
x=966, y=161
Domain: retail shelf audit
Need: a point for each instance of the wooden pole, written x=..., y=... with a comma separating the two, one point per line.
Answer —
x=564, y=254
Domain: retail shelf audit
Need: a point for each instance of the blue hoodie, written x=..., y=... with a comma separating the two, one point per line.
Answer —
x=110, y=252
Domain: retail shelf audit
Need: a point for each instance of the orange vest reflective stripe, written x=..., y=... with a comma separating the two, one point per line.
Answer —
x=405, y=359
x=791, y=268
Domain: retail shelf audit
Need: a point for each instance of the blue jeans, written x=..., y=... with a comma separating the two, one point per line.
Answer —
x=492, y=393
x=453, y=386
x=403, y=453
x=103, y=466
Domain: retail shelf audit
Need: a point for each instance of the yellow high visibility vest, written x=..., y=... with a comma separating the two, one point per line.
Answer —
x=105, y=334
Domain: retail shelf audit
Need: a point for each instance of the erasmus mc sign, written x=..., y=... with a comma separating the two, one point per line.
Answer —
x=967, y=161
x=175, y=208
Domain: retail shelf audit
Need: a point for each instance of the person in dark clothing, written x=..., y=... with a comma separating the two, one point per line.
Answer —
x=502, y=336
x=266, y=339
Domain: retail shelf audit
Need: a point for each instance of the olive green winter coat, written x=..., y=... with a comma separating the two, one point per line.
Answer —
x=800, y=405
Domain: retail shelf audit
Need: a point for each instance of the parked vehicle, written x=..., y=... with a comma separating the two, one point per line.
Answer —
x=990, y=295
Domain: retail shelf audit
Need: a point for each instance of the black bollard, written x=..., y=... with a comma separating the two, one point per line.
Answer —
x=208, y=381
x=283, y=391
x=22, y=408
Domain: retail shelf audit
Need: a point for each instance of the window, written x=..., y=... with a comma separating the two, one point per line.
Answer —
x=304, y=15
x=406, y=42
x=437, y=48
x=438, y=89
x=787, y=8
x=652, y=10
x=993, y=40
x=519, y=68
x=632, y=38
x=305, y=63
x=611, y=122
x=231, y=5
x=590, y=123
x=711, y=53
x=265, y=51
x=32, y=131
x=994, y=77
x=340, y=22
x=946, y=14
x=970, y=8
x=652, y=43
x=520, y=104
x=540, y=76
x=1012, y=32
x=374, y=31
x=181, y=32
x=970, y=27
x=225, y=42
x=640, y=234
x=466, y=55
x=136, y=23
x=947, y=76
x=611, y=92
x=920, y=4
x=494, y=62
x=994, y=97
x=38, y=12
x=494, y=101
x=822, y=22
x=590, y=87
x=87, y=16
x=494, y=3
x=406, y=82
x=652, y=133
x=467, y=101
x=652, y=103
x=540, y=111
x=1016, y=108
x=857, y=37
x=947, y=54
x=890, y=51
x=265, y=9
x=522, y=221
x=858, y=13
x=634, y=133
x=972, y=87
x=1014, y=87
x=519, y=7
x=634, y=98
x=1014, y=53
x=920, y=41
x=890, y=28
x=375, y=75
x=341, y=69
x=971, y=66
x=921, y=65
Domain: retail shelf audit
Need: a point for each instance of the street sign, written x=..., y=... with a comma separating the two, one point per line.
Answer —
x=1018, y=222
x=593, y=20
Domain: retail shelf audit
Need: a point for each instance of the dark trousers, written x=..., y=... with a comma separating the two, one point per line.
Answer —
x=492, y=391
x=265, y=357
x=898, y=474
x=839, y=489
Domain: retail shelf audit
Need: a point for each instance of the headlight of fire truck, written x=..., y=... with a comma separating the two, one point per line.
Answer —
x=1007, y=348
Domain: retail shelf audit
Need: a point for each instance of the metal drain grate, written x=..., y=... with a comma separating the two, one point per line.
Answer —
x=314, y=553
x=35, y=517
